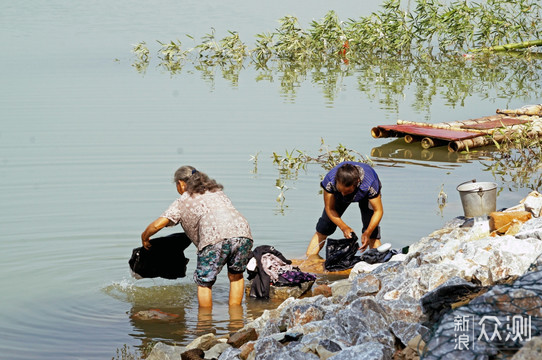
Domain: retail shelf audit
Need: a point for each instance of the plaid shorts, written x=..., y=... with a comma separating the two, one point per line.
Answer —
x=235, y=252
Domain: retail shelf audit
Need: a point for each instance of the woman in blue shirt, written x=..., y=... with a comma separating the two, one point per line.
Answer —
x=346, y=183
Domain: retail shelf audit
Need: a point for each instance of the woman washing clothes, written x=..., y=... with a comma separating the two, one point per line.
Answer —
x=349, y=182
x=220, y=233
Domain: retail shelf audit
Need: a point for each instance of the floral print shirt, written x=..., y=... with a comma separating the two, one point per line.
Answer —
x=207, y=218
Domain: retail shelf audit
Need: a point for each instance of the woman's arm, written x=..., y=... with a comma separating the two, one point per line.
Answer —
x=329, y=206
x=378, y=212
x=152, y=229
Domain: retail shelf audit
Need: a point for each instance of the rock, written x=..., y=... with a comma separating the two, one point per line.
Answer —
x=204, y=342
x=364, y=268
x=246, y=350
x=322, y=289
x=533, y=203
x=340, y=288
x=161, y=351
x=530, y=351
x=284, y=292
x=302, y=314
x=193, y=354
x=406, y=332
x=216, y=350
x=319, y=350
x=241, y=337
x=531, y=229
x=367, y=351
x=366, y=285
x=500, y=222
x=499, y=307
x=315, y=264
x=155, y=314
x=268, y=349
x=230, y=353
x=378, y=314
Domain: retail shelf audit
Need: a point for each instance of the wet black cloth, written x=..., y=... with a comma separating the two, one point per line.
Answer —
x=341, y=253
x=261, y=281
x=164, y=259
x=373, y=256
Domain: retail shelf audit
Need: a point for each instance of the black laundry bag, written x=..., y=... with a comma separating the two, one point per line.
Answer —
x=164, y=259
x=341, y=253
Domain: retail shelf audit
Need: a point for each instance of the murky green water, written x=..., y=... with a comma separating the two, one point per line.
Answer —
x=88, y=147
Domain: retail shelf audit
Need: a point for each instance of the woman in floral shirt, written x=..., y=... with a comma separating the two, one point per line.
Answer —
x=221, y=234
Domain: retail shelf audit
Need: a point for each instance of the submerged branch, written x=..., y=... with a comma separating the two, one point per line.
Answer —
x=514, y=46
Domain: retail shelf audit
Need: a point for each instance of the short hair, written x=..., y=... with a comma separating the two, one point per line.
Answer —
x=349, y=175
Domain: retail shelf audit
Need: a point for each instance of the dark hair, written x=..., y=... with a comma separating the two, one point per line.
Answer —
x=196, y=181
x=349, y=175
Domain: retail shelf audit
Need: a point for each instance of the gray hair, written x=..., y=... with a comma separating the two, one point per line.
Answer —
x=183, y=173
x=196, y=181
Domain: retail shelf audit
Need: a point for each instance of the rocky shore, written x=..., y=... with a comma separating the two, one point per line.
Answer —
x=471, y=290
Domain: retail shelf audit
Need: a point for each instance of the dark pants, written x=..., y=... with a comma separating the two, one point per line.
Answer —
x=327, y=227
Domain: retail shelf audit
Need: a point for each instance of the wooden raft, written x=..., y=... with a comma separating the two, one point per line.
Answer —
x=461, y=135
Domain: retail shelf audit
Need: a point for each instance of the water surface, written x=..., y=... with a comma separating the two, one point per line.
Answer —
x=88, y=147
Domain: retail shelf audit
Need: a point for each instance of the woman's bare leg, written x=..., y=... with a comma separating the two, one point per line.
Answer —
x=237, y=288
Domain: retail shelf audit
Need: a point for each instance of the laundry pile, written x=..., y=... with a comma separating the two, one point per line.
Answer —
x=268, y=267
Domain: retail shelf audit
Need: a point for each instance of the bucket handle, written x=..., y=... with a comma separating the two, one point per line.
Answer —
x=472, y=181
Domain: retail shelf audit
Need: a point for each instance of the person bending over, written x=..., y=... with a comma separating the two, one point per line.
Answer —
x=346, y=183
x=220, y=233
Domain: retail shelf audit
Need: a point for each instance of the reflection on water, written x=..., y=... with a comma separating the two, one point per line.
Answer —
x=399, y=153
x=387, y=79
x=170, y=312
x=157, y=312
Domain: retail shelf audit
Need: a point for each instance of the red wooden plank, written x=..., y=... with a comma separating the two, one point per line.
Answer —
x=426, y=131
x=495, y=124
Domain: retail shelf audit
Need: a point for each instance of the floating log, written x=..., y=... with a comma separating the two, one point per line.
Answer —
x=378, y=132
x=460, y=145
x=428, y=142
x=491, y=126
x=410, y=139
x=525, y=110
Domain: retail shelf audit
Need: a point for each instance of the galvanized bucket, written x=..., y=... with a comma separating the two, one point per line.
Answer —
x=478, y=198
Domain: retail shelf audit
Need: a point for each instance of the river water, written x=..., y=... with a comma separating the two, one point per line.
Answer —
x=88, y=147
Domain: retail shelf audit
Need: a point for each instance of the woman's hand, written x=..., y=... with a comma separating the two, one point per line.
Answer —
x=152, y=229
x=146, y=243
x=365, y=237
x=347, y=232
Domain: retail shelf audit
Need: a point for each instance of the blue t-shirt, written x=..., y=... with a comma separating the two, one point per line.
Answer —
x=369, y=186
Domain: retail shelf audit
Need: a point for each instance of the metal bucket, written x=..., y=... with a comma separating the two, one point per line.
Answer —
x=478, y=198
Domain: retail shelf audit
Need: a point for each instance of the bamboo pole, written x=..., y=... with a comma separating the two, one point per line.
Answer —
x=428, y=142
x=498, y=137
x=460, y=145
x=531, y=110
x=378, y=132
x=411, y=138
